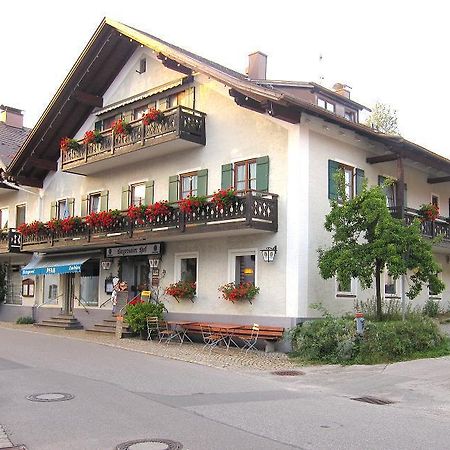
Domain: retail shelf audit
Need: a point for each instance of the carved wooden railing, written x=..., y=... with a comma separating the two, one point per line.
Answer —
x=430, y=228
x=180, y=121
x=251, y=209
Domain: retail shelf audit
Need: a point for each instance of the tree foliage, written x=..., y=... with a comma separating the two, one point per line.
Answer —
x=367, y=240
x=383, y=118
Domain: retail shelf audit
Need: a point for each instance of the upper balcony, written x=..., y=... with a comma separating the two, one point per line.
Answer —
x=182, y=128
x=253, y=212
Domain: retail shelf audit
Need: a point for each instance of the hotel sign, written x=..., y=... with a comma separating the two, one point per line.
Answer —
x=134, y=250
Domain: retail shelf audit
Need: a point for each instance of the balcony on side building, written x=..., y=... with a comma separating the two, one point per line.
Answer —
x=250, y=213
x=182, y=129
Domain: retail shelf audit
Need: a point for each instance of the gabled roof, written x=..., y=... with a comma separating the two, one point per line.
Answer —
x=105, y=55
x=11, y=138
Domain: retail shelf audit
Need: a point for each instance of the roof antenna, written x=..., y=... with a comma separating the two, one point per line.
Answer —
x=321, y=76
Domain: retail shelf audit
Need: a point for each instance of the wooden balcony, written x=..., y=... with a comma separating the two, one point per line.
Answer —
x=250, y=213
x=182, y=129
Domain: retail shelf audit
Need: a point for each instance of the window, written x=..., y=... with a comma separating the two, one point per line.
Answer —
x=4, y=218
x=186, y=267
x=245, y=175
x=435, y=201
x=350, y=115
x=52, y=292
x=243, y=266
x=325, y=104
x=391, y=286
x=94, y=203
x=62, y=209
x=137, y=194
x=20, y=214
x=346, y=289
x=28, y=288
x=89, y=282
x=390, y=192
x=188, y=185
x=434, y=295
x=142, y=65
x=349, y=173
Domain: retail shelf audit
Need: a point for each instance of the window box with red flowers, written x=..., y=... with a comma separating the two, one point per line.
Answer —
x=69, y=144
x=191, y=203
x=103, y=219
x=32, y=229
x=137, y=213
x=121, y=127
x=153, y=115
x=92, y=137
x=54, y=225
x=184, y=290
x=235, y=293
x=429, y=212
x=70, y=224
x=157, y=210
x=223, y=197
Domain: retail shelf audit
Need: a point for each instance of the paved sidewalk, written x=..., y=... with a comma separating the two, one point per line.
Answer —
x=4, y=440
x=194, y=353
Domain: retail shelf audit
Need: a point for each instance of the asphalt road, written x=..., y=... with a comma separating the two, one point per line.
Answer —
x=122, y=395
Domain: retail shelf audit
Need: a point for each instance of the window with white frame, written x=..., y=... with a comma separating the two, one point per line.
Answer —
x=62, y=209
x=188, y=185
x=326, y=104
x=94, y=202
x=4, y=218
x=186, y=267
x=137, y=194
x=391, y=286
x=243, y=266
x=346, y=289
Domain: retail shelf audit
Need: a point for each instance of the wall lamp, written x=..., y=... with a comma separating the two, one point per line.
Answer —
x=269, y=253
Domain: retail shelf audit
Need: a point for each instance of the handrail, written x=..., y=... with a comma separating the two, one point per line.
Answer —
x=50, y=302
x=81, y=303
x=128, y=302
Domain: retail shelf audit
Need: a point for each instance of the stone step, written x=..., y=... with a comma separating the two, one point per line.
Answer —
x=108, y=331
x=101, y=327
x=125, y=326
x=113, y=321
x=64, y=319
x=64, y=326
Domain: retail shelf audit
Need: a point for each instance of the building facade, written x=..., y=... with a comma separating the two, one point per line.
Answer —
x=278, y=143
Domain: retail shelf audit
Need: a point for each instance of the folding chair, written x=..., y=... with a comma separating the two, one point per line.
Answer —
x=210, y=338
x=165, y=332
x=152, y=327
x=250, y=342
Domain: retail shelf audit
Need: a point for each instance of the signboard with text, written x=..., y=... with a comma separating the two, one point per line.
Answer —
x=134, y=250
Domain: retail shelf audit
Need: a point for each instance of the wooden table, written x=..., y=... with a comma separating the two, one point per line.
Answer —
x=225, y=330
x=179, y=329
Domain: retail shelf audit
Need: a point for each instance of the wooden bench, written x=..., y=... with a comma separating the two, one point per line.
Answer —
x=267, y=333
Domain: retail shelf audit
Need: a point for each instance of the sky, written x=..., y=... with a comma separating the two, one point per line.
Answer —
x=395, y=52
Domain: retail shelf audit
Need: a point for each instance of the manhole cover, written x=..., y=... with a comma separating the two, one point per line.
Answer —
x=150, y=444
x=373, y=400
x=50, y=397
x=288, y=373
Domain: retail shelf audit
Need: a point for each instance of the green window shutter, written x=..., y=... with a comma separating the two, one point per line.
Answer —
x=71, y=206
x=125, y=199
x=173, y=188
x=333, y=167
x=202, y=182
x=53, y=211
x=359, y=180
x=104, y=200
x=227, y=176
x=149, y=192
x=84, y=205
x=262, y=174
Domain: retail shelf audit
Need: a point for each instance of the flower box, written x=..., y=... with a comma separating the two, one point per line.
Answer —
x=235, y=293
x=429, y=212
x=182, y=290
x=153, y=115
x=191, y=203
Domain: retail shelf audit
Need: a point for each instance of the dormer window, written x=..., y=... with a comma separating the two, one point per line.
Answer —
x=325, y=104
x=350, y=115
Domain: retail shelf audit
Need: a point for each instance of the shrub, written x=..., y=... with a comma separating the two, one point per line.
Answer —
x=334, y=340
x=391, y=308
x=25, y=320
x=431, y=308
x=136, y=314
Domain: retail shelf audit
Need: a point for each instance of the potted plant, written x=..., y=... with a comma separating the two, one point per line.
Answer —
x=158, y=209
x=104, y=219
x=153, y=115
x=92, y=137
x=137, y=213
x=136, y=315
x=54, y=225
x=69, y=144
x=242, y=291
x=223, y=197
x=429, y=212
x=70, y=224
x=190, y=203
x=121, y=126
x=182, y=290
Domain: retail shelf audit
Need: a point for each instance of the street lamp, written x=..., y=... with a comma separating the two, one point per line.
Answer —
x=269, y=253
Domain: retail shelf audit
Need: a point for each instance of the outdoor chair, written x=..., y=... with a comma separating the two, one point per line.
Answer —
x=210, y=338
x=152, y=327
x=251, y=340
x=163, y=332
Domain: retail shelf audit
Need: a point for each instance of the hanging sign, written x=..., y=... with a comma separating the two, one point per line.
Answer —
x=134, y=250
x=14, y=241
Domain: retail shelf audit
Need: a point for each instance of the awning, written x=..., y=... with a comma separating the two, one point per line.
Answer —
x=52, y=265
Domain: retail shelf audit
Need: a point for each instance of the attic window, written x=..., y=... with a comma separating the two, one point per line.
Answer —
x=325, y=104
x=142, y=65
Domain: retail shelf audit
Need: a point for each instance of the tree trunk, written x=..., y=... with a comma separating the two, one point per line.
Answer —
x=378, y=289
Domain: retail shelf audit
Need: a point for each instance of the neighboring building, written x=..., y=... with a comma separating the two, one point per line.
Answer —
x=12, y=136
x=278, y=142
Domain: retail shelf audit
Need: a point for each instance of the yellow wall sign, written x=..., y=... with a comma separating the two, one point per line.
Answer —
x=145, y=294
x=248, y=271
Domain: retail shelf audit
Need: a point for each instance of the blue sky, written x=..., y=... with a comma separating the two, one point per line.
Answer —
x=394, y=52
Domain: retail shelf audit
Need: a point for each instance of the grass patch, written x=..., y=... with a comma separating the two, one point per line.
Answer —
x=25, y=320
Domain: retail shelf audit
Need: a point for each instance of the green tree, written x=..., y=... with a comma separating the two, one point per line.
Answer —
x=367, y=240
x=383, y=118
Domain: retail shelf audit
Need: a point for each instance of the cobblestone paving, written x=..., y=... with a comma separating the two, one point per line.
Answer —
x=194, y=353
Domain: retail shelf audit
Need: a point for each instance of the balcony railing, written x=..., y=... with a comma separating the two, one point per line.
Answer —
x=179, y=122
x=253, y=210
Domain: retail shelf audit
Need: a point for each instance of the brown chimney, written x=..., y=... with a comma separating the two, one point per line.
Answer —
x=342, y=89
x=11, y=116
x=257, y=66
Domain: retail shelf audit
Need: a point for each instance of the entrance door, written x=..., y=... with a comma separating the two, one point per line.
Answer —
x=69, y=293
x=141, y=272
x=135, y=271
